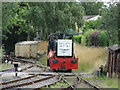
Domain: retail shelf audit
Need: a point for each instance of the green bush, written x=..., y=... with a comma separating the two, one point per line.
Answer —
x=103, y=38
x=77, y=38
x=85, y=39
x=87, y=36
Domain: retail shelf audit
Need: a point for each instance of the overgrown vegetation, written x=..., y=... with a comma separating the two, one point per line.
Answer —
x=90, y=58
x=85, y=39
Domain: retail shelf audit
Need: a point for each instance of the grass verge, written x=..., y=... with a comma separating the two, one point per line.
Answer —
x=5, y=66
x=104, y=82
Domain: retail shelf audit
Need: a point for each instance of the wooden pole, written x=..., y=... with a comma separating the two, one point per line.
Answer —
x=115, y=69
x=111, y=58
x=113, y=65
x=108, y=63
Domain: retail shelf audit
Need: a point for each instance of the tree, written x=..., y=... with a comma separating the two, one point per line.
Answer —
x=92, y=24
x=15, y=25
x=22, y=20
x=55, y=17
x=92, y=8
x=109, y=22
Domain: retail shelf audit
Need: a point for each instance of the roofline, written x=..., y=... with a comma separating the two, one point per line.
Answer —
x=117, y=47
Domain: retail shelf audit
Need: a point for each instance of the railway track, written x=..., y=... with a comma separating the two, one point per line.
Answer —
x=90, y=84
x=49, y=79
x=79, y=80
x=22, y=69
x=74, y=85
x=10, y=69
x=34, y=81
x=22, y=61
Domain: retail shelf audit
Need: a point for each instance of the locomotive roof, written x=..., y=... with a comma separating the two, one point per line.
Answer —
x=28, y=43
x=60, y=35
x=57, y=34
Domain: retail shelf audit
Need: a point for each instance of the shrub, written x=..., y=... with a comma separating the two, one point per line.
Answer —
x=85, y=39
x=77, y=38
x=87, y=36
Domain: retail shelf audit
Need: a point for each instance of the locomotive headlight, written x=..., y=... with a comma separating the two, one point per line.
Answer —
x=55, y=61
x=74, y=61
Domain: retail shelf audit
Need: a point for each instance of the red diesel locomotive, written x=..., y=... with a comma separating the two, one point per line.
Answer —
x=61, y=52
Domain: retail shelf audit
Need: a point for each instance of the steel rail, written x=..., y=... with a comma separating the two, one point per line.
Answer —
x=28, y=83
x=90, y=84
x=8, y=82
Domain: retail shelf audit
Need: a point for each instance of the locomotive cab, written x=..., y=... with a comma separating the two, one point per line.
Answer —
x=64, y=58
